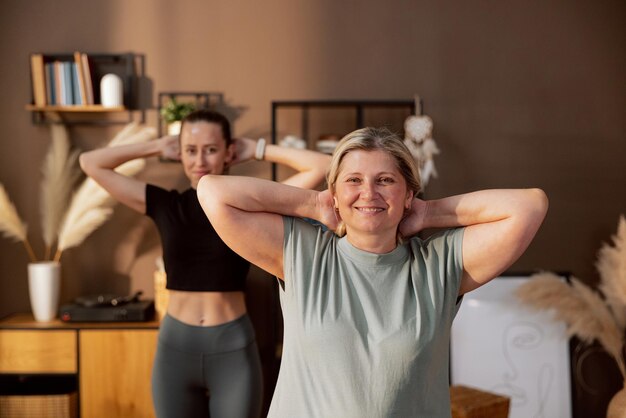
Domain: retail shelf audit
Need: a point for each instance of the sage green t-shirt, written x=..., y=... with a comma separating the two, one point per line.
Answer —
x=366, y=335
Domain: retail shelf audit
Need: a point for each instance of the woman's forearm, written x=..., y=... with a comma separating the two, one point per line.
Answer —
x=483, y=207
x=310, y=165
x=112, y=157
x=258, y=195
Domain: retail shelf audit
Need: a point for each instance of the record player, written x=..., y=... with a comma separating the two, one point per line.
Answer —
x=108, y=308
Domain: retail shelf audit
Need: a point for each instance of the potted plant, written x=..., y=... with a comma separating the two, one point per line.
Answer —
x=174, y=112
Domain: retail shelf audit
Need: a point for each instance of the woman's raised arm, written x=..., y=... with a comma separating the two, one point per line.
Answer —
x=311, y=166
x=100, y=164
x=500, y=224
x=247, y=214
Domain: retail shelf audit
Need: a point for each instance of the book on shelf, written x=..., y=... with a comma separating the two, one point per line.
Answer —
x=59, y=84
x=80, y=75
x=50, y=92
x=75, y=85
x=88, y=79
x=38, y=77
x=67, y=83
x=58, y=80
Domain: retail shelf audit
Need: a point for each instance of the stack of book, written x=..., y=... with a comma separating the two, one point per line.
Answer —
x=61, y=82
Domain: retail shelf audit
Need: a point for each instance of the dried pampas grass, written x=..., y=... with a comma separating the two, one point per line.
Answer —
x=69, y=224
x=80, y=227
x=132, y=134
x=587, y=314
x=611, y=265
x=11, y=225
x=91, y=204
x=60, y=173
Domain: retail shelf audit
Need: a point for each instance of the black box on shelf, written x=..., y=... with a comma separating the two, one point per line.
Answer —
x=128, y=312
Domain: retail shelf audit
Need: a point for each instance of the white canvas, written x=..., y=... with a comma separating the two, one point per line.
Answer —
x=500, y=346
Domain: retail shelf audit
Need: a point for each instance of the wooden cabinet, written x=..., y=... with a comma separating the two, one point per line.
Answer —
x=25, y=351
x=115, y=370
x=112, y=362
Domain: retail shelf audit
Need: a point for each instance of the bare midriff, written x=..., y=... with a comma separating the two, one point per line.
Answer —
x=206, y=308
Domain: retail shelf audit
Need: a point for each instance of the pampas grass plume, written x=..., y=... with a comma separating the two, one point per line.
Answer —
x=89, y=207
x=584, y=312
x=11, y=225
x=74, y=234
x=611, y=265
x=59, y=175
x=91, y=204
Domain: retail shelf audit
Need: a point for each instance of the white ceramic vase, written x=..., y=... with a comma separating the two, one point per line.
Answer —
x=44, y=285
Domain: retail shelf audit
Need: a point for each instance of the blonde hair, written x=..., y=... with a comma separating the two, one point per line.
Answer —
x=373, y=139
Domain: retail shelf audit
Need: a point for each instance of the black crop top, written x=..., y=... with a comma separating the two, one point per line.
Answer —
x=195, y=257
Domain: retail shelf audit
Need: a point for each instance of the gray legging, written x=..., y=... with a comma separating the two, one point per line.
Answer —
x=207, y=371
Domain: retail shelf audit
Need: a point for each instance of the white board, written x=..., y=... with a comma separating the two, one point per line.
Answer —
x=501, y=346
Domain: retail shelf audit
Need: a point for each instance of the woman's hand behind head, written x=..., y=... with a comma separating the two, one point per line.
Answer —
x=170, y=147
x=413, y=221
x=244, y=150
x=326, y=209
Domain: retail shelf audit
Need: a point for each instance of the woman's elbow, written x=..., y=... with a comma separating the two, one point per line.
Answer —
x=205, y=185
x=84, y=162
x=539, y=202
x=534, y=209
x=208, y=191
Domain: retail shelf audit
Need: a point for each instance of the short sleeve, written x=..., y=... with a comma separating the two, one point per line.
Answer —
x=441, y=256
x=299, y=244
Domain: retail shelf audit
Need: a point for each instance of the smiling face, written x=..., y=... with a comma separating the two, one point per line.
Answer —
x=203, y=150
x=371, y=195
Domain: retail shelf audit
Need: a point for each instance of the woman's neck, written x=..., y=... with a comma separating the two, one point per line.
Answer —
x=372, y=243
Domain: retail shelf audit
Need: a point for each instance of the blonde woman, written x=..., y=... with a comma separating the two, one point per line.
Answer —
x=207, y=360
x=368, y=310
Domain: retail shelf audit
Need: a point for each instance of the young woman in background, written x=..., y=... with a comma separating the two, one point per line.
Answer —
x=207, y=360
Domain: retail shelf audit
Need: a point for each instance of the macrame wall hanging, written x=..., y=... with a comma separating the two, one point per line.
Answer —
x=418, y=138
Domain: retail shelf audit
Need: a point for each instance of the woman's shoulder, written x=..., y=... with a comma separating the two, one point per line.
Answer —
x=306, y=231
x=449, y=237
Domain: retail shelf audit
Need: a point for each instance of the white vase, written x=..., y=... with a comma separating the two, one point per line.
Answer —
x=44, y=285
x=111, y=91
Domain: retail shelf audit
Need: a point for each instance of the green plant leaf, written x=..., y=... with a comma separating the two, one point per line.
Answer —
x=174, y=110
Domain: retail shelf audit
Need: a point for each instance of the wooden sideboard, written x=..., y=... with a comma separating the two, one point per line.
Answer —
x=111, y=361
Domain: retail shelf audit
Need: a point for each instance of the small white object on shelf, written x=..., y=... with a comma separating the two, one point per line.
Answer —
x=327, y=146
x=111, y=91
x=292, y=141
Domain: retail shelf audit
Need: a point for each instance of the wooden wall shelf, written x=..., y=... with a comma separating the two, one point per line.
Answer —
x=77, y=109
x=130, y=67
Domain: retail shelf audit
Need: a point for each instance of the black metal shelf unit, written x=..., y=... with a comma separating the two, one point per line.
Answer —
x=359, y=107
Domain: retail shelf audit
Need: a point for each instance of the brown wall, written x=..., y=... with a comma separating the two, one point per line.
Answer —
x=521, y=93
